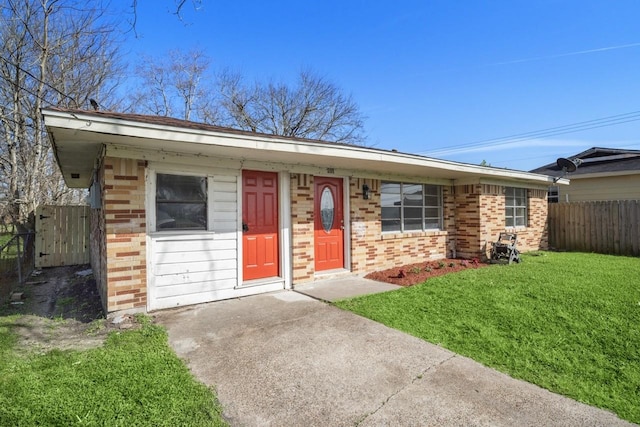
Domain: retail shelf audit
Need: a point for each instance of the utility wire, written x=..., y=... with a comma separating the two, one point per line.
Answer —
x=30, y=74
x=543, y=133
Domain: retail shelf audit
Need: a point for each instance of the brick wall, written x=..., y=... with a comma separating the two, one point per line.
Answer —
x=536, y=235
x=467, y=220
x=125, y=233
x=302, y=227
x=480, y=217
x=371, y=250
x=492, y=214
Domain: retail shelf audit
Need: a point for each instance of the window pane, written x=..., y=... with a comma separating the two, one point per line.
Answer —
x=520, y=221
x=390, y=194
x=181, y=188
x=432, y=213
x=181, y=202
x=390, y=225
x=412, y=224
x=432, y=190
x=181, y=216
x=413, y=213
x=412, y=194
x=326, y=209
x=432, y=201
x=390, y=213
x=432, y=224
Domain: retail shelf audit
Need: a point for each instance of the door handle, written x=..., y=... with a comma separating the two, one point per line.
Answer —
x=245, y=227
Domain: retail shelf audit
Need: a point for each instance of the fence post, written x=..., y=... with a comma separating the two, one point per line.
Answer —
x=19, y=258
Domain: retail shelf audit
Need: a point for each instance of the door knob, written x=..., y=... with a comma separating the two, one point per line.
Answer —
x=245, y=227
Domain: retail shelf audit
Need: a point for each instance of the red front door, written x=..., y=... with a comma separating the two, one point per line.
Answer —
x=328, y=224
x=259, y=224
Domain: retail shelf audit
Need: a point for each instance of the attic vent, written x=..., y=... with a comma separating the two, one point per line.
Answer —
x=75, y=176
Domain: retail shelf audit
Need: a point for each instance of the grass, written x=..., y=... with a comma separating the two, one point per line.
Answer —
x=569, y=322
x=134, y=379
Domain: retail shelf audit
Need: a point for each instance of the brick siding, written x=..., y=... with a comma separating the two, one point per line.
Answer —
x=480, y=218
x=473, y=217
x=371, y=249
x=125, y=234
x=302, y=227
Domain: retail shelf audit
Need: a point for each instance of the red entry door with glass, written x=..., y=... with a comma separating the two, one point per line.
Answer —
x=328, y=224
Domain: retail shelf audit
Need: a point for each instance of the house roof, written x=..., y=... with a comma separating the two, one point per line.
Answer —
x=78, y=137
x=598, y=161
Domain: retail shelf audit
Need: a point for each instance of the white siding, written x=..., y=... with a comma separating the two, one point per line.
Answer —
x=194, y=267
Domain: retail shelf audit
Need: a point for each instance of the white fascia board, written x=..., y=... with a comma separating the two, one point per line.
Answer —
x=185, y=159
x=145, y=133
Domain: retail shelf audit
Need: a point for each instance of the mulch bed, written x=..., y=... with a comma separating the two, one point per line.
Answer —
x=413, y=274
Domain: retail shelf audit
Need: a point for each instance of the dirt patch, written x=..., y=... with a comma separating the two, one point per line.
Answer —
x=61, y=309
x=413, y=274
x=68, y=292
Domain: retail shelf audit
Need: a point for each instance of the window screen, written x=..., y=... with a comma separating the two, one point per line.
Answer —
x=181, y=202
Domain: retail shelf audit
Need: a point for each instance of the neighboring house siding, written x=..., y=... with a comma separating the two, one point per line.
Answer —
x=125, y=233
x=624, y=187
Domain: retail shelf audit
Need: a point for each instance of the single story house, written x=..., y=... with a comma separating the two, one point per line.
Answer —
x=185, y=213
x=602, y=174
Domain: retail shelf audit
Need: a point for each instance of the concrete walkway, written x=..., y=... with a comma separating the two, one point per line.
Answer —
x=331, y=290
x=285, y=359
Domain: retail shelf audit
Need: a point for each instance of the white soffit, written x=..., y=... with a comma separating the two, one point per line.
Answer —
x=78, y=138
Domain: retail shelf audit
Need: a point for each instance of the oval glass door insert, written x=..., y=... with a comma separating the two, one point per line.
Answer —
x=326, y=209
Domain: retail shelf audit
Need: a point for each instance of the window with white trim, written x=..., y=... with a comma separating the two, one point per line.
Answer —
x=515, y=207
x=181, y=202
x=553, y=195
x=410, y=207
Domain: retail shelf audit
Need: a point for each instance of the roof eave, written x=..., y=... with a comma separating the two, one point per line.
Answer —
x=100, y=129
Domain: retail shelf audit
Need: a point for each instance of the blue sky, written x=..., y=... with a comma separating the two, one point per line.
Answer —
x=432, y=76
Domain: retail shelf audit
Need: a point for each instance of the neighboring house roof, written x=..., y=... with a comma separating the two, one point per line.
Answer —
x=598, y=161
x=79, y=136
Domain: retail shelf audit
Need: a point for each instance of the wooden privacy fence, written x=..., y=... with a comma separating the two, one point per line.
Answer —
x=62, y=236
x=608, y=227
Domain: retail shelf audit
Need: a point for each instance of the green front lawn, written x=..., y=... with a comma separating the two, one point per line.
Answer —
x=569, y=322
x=134, y=379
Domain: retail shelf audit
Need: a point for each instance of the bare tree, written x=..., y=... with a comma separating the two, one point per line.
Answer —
x=312, y=108
x=177, y=10
x=55, y=52
x=176, y=86
x=180, y=86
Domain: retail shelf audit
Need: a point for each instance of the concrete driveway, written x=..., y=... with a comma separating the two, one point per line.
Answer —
x=285, y=359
